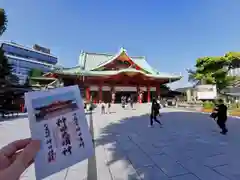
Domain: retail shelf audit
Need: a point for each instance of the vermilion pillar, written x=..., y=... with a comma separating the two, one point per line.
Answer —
x=148, y=94
x=87, y=94
x=100, y=94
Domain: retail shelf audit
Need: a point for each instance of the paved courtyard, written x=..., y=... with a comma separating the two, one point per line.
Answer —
x=188, y=147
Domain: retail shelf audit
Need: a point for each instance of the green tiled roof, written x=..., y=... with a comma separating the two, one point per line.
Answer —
x=73, y=70
x=79, y=71
x=88, y=62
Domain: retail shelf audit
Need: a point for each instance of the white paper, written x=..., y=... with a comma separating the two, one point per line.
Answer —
x=57, y=118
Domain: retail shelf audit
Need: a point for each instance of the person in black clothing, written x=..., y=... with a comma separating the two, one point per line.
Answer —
x=130, y=100
x=109, y=107
x=154, y=113
x=221, y=113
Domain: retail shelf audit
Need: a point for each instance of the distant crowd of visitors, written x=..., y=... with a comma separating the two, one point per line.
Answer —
x=124, y=103
x=219, y=114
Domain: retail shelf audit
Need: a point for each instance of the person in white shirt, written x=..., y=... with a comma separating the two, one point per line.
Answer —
x=103, y=108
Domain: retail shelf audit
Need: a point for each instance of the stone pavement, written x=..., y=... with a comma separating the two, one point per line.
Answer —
x=188, y=147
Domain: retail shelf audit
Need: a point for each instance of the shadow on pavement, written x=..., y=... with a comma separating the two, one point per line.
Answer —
x=129, y=143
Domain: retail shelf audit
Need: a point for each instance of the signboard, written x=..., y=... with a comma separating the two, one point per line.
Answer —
x=42, y=49
x=57, y=119
x=206, y=92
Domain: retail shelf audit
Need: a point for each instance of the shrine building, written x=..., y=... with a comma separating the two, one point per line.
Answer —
x=107, y=77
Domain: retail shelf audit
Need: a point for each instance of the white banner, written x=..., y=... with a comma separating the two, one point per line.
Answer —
x=205, y=92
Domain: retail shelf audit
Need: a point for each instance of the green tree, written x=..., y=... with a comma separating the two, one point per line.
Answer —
x=35, y=73
x=5, y=67
x=3, y=21
x=214, y=70
x=6, y=76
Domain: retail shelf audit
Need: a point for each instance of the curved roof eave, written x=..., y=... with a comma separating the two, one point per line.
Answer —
x=79, y=72
x=110, y=60
x=102, y=73
x=122, y=50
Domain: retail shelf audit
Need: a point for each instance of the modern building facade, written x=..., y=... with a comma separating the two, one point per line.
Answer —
x=108, y=77
x=23, y=59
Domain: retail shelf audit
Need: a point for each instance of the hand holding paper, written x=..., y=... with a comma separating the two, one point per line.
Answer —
x=16, y=157
x=57, y=119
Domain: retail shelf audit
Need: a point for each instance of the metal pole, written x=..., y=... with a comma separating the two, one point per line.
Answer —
x=92, y=165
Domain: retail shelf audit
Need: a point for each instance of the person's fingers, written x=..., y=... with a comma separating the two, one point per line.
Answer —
x=24, y=159
x=11, y=148
x=14, y=157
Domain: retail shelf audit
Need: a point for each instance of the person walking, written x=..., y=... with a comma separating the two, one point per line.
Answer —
x=131, y=102
x=122, y=101
x=154, y=113
x=221, y=114
x=103, y=107
x=109, y=108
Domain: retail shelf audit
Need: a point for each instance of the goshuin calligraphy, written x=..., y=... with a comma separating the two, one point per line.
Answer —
x=65, y=136
x=78, y=130
x=48, y=140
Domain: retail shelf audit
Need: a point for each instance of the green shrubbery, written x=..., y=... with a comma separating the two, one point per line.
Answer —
x=208, y=105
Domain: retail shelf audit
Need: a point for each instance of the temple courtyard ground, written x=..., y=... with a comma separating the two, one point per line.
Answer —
x=188, y=147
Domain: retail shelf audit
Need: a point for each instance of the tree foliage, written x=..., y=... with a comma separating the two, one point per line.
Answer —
x=6, y=76
x=3, y=21
x=7, y=79
x=35, y=73
x=215, y=70
x=5, y=67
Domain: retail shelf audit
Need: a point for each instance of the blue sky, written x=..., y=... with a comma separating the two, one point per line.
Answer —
x=172, y=34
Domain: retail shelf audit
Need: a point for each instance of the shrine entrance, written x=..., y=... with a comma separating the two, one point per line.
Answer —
x=128, y=94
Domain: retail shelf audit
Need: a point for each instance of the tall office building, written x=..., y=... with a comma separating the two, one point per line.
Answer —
x=23, y=59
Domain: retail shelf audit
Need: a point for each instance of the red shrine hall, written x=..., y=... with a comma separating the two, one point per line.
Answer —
x=107, y=77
